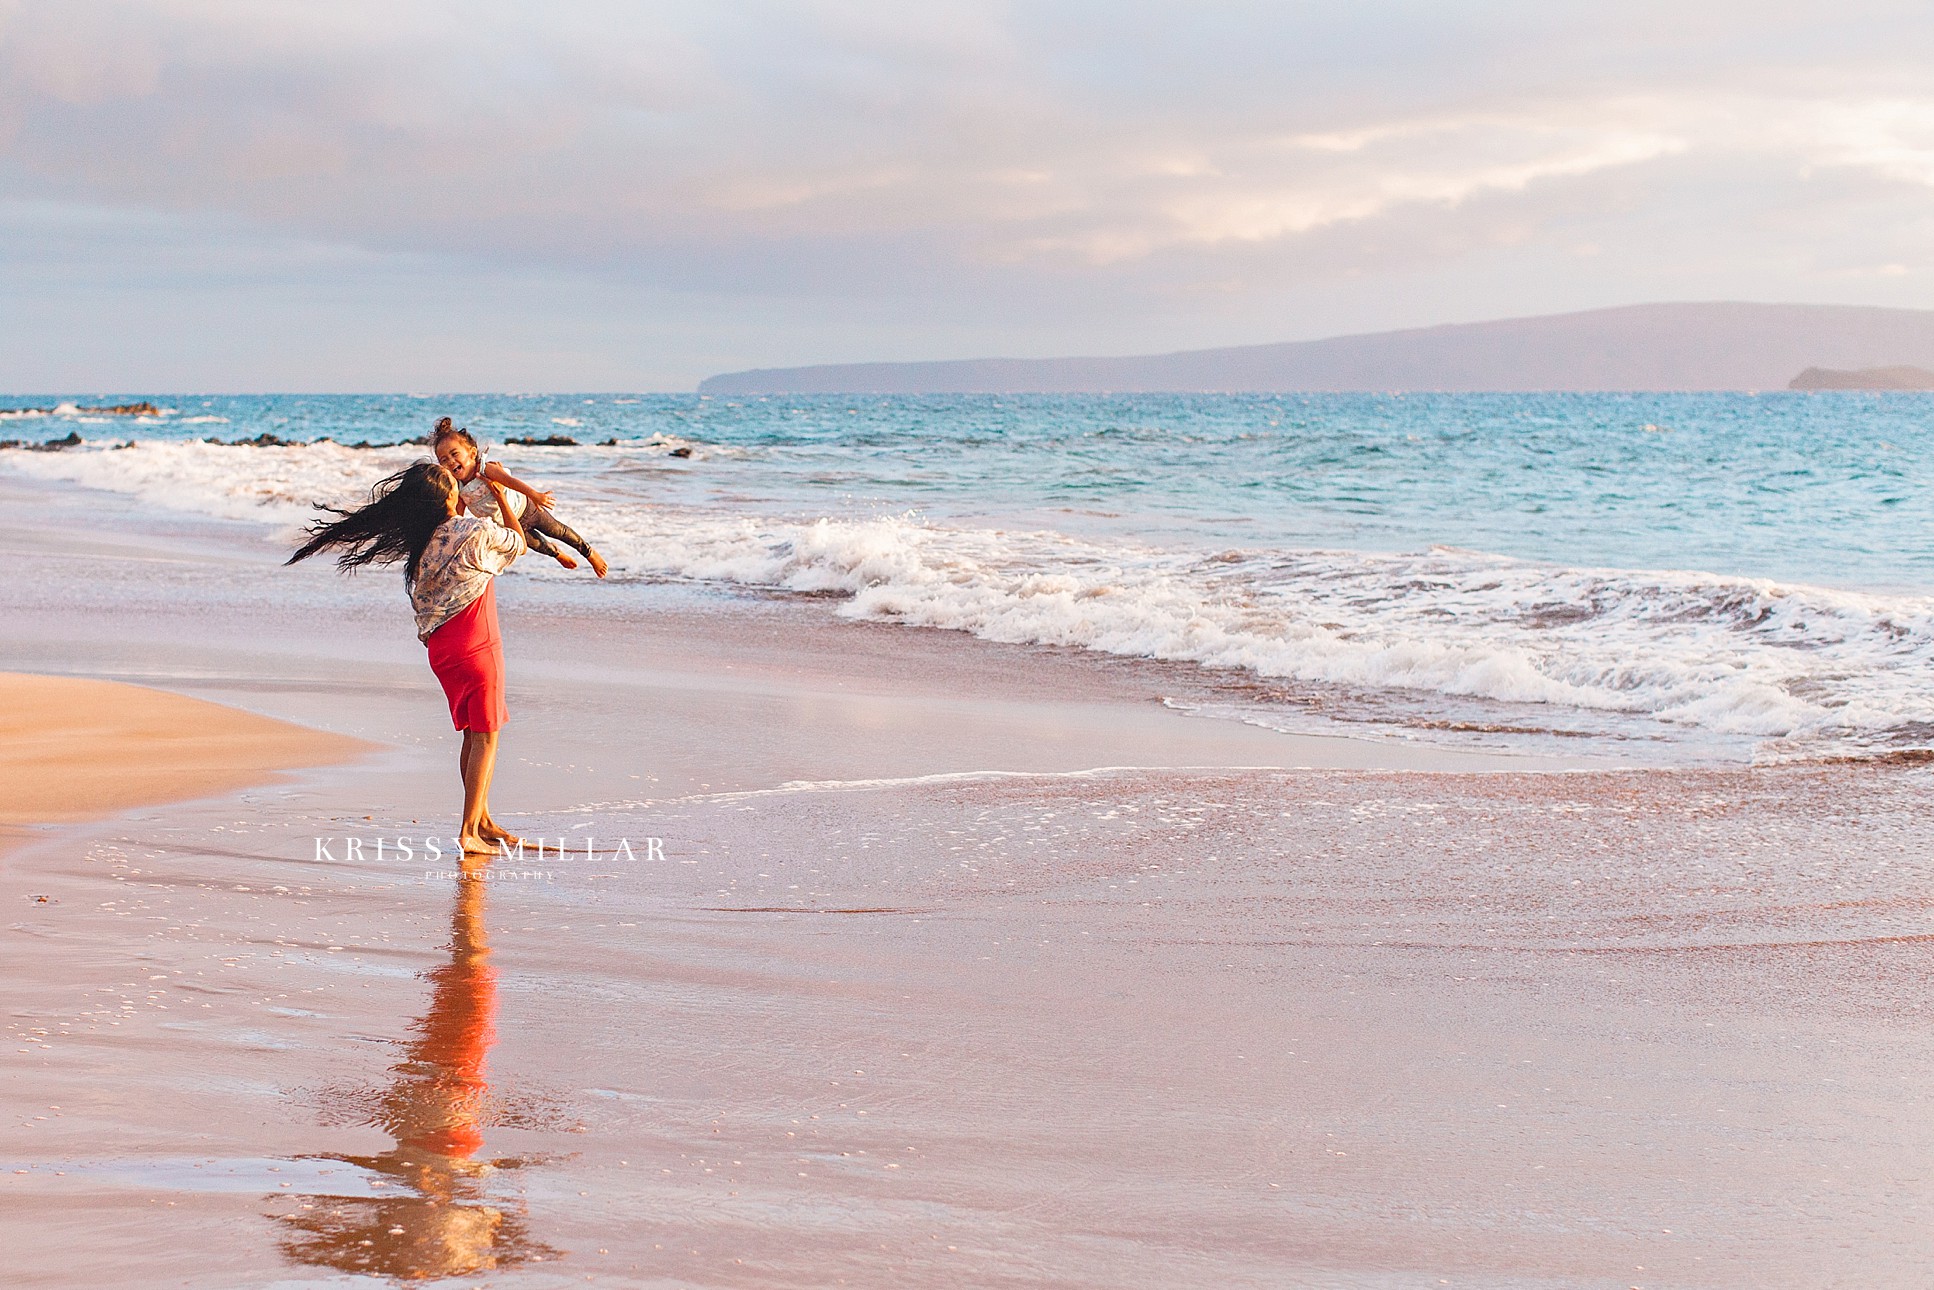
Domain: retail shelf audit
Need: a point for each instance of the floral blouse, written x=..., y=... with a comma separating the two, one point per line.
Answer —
x=457, y=566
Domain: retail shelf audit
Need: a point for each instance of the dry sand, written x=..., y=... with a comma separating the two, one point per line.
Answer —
x=77, y=749
x=970, y=1009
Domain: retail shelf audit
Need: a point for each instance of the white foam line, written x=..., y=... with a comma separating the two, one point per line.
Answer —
x=801, y=786
x=907, y=781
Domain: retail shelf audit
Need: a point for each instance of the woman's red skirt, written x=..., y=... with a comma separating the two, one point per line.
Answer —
x=467, y=655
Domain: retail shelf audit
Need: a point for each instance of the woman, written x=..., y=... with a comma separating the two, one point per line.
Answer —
x=450, y=564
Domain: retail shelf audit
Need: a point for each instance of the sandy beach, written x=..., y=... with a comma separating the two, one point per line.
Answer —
x=862, y=955
x=78, y=749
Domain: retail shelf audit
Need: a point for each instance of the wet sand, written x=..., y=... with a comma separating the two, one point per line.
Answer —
x=953, y=964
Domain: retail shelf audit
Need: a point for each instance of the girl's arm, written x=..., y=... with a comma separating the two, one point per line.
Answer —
x=495, y=474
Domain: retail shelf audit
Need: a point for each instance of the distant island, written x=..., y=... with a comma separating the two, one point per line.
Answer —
x=1718, y=346
x=1866, y=378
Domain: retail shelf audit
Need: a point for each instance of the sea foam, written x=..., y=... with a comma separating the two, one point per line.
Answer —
x=1813, y=668
x=278, y=486
x=1734, y=656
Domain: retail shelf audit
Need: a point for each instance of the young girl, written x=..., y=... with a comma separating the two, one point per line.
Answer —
x=461, y=456
x=450, y=564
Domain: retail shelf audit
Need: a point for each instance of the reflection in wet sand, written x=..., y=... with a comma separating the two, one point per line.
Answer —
x=434, y=1107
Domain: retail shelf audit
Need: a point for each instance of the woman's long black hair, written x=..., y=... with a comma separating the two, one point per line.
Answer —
x=403, y=511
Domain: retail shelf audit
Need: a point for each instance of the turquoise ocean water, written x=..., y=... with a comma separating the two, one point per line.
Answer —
x=1742, y=574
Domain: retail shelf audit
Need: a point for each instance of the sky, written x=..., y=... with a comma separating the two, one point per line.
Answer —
x=373, y=195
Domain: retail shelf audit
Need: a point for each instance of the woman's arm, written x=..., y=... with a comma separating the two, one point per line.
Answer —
x=495, y=474
x=504, y=509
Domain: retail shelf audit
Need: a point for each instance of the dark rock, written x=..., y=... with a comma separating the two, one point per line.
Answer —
x=679, y=452
x=117, y=410
x=126, y=410
x=55, y=445
x=548, y=441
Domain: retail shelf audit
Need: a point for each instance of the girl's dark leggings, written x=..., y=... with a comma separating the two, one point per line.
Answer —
x=540, y=525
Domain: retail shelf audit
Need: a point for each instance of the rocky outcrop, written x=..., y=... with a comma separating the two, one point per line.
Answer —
x=47, y=445
x=115, y=410
x=1864, y=378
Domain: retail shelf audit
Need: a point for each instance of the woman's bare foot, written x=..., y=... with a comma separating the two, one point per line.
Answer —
x=494, y=832
x=473, y=845
x=598, y=566
x=565, y=560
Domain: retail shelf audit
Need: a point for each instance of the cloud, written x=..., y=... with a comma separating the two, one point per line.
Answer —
x=1891, y=137
x=1068, y=175
x=1275, y=189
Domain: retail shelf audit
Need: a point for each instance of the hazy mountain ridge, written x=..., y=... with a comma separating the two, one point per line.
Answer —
x=1712, y=346
x=1866, y=378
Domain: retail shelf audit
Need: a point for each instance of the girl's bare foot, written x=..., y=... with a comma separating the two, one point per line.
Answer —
x=473, y=844
x=598, y=566
x=566, y=560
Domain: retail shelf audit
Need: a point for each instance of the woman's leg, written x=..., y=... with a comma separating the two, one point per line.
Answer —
x=538, y=520
x=476, y=762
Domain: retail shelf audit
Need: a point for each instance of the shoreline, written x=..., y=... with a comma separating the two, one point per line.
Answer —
x=1458, y=648
x=666, y=636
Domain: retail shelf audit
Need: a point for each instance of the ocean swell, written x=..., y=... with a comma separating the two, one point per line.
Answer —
x=1815, y=669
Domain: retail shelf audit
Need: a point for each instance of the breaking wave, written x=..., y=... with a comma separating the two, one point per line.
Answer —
x=1809, y=668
